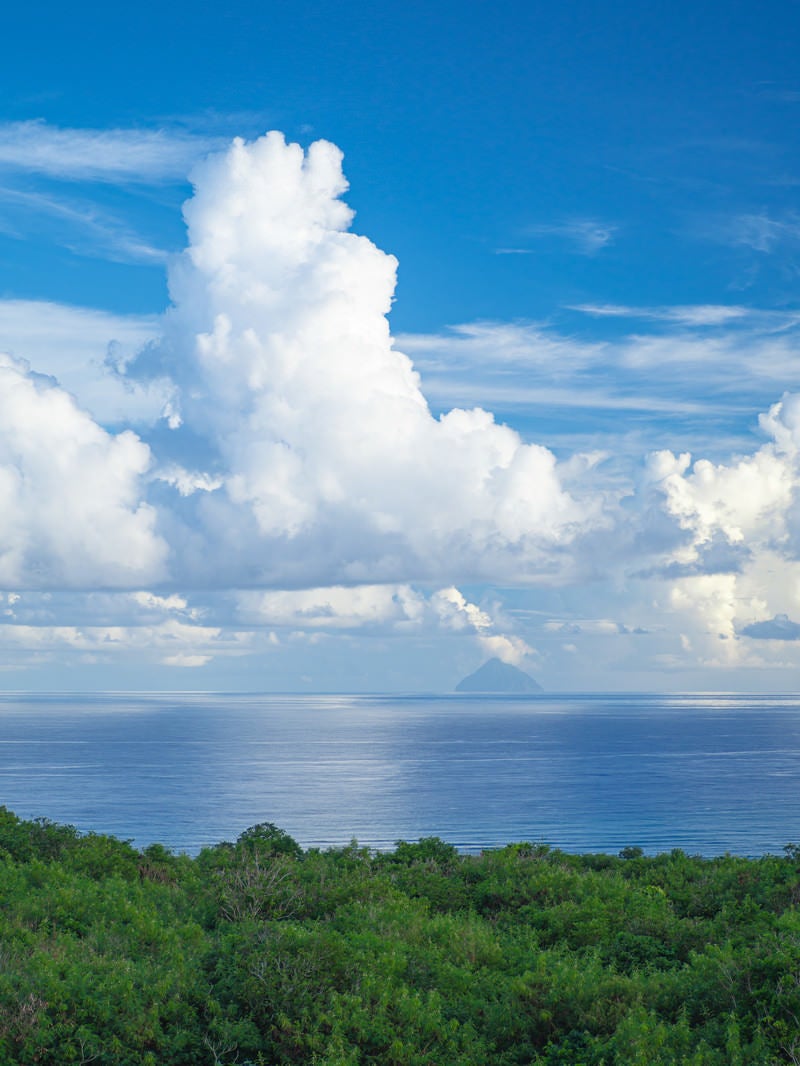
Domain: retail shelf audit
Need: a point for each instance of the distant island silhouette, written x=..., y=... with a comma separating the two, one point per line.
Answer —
x=497, y=676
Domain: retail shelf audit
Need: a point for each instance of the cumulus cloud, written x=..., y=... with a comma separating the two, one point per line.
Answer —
x=316, y=459
x=458, y=613
x=187, y=482
x=333, y=468
x=733, y=570
x=380, y=608
x=743, y=500
x=337, y=607
x=172, y=641
x=747, y=503
x=284, y=448
x=152, y=602
x=72, y=509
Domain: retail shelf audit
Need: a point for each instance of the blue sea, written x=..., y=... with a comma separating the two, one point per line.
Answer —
x=706, y=773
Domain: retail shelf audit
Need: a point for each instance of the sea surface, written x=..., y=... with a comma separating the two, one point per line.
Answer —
x=706, y=773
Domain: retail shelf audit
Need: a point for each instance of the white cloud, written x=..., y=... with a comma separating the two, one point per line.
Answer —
x=86, y=351
x=505, y=344
x=153, y=602
x=72, y=510
x=744, y=501
x=456, y=612
x=337, y=607
x=319, y=423
x=712, y=597
x=86, y=229
x=381, y=608
x=325, y=465
x=749, y=504
x=699, y=374
x=510, y=649
x=172, y=642
x=296, y=458
x=687, y=315
x=187, y=482
x=761, y=231
x=594, y=626
x=113, y=155
x=589, y=236
x=509, y=395
x=181, y=659
x=707, y=341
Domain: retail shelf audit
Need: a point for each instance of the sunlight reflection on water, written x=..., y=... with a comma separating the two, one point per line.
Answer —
x=587, y=773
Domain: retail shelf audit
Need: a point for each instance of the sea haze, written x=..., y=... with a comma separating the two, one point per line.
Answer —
x=706, y=773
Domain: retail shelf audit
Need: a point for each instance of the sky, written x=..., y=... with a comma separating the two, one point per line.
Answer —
x=343, y=347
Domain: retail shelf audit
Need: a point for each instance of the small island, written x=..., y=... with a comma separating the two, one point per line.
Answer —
x=499, y=677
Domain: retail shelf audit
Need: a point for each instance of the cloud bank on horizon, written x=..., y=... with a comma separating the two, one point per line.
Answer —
x=263, y=463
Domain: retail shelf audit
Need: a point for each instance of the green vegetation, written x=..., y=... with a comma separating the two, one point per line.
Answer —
x=259, y=952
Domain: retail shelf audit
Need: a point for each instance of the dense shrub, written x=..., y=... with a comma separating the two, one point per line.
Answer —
x=258, y=952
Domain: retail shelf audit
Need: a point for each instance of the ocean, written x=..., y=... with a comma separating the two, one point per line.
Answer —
x=706, y=773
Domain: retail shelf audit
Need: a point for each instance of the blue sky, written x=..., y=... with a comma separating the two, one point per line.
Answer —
x=578, y=449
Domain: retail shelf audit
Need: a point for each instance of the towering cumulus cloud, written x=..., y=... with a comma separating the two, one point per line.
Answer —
x=327, y=463
x=282, y=477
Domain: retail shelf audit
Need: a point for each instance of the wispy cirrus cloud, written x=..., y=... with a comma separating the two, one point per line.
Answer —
x=582, y=235
x=764, y=232
x=771, y=90
x=55, y=182
x=114, y=155
x=692, y=315
x=685, y=367
x=325, y=489
x=83, y=227
x=708, y=340
x=587, y=236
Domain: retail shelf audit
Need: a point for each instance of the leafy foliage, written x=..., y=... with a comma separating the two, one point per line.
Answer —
x=260, y=953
